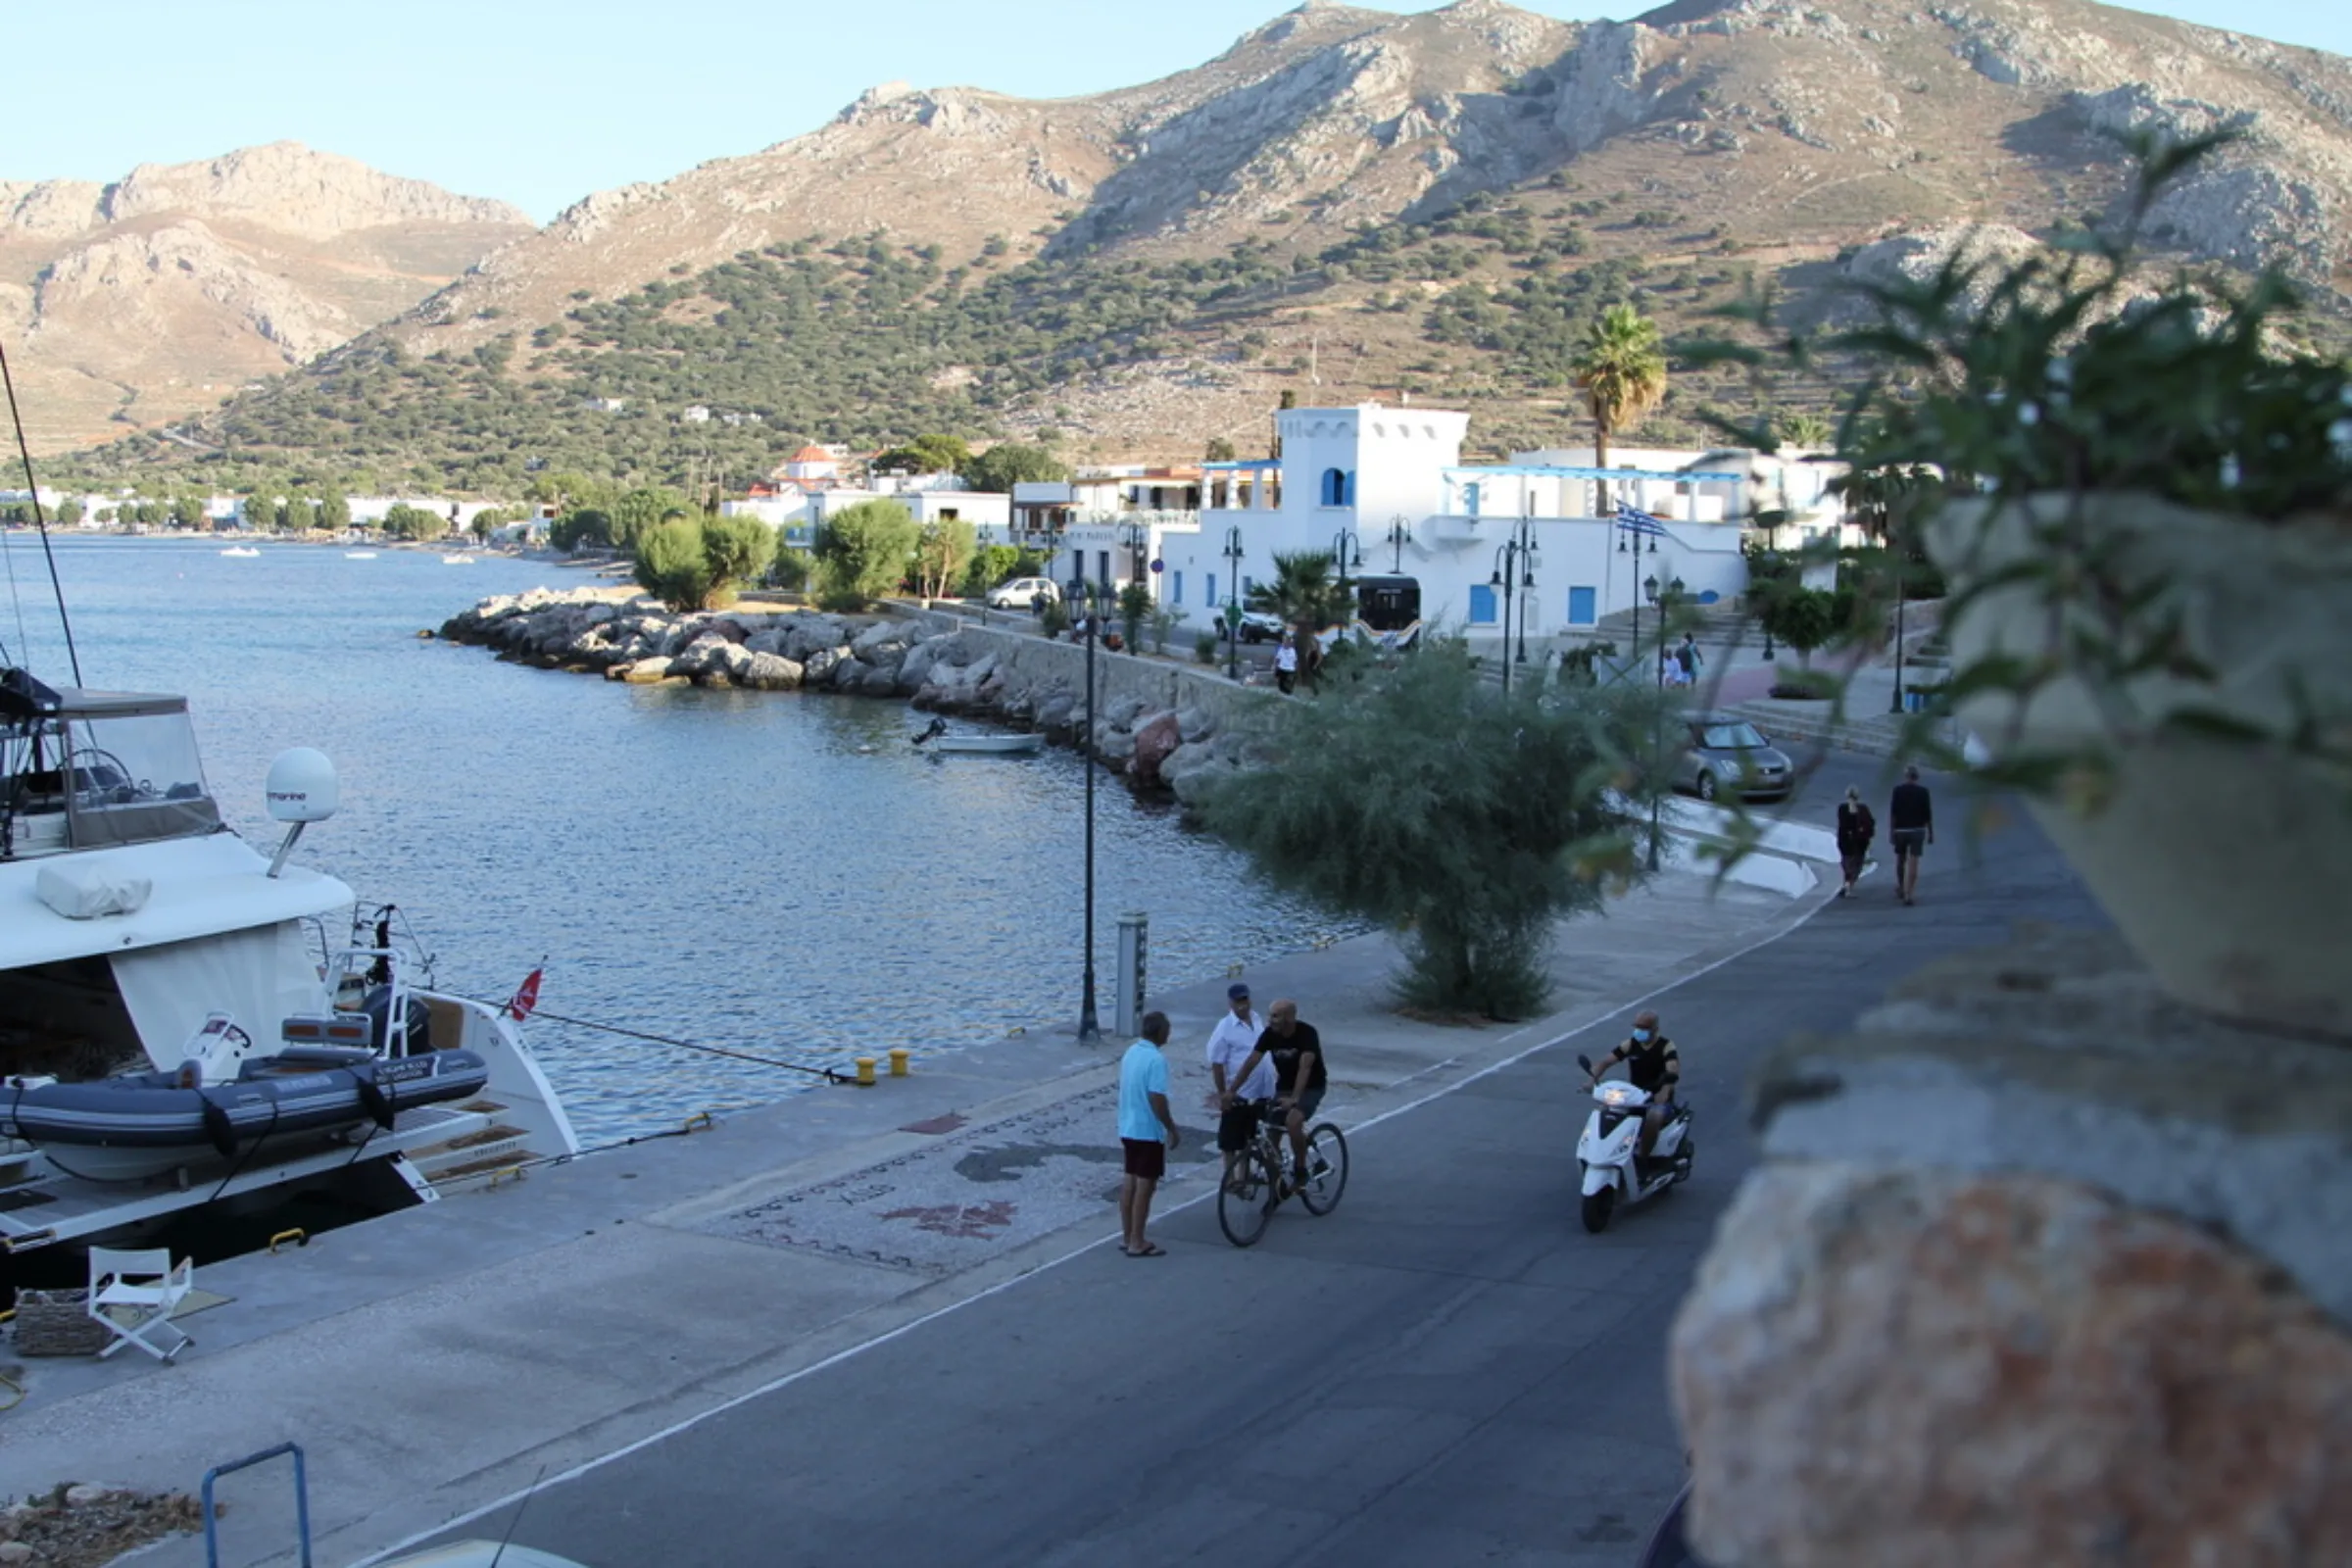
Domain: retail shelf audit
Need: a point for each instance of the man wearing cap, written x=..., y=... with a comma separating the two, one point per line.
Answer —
x=1230, y=1045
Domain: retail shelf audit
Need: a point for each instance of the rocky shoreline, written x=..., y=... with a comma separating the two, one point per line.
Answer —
x=1177, y=744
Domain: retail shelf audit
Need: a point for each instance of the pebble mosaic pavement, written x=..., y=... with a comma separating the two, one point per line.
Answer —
x=976, y=1192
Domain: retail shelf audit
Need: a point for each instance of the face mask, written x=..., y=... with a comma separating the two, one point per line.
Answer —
x=1641, y=1035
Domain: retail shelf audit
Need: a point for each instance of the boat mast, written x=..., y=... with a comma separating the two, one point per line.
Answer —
x=33, y=489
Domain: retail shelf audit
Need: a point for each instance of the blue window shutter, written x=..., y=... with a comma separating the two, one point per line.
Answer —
x=1482, y=603
x=1581, y=606
x=1212, y=590
x=1176, y=594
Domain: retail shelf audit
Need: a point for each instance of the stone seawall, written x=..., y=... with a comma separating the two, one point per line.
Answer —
x=1160, y=724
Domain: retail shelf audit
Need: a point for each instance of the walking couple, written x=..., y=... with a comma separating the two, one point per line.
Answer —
x=1911, y=814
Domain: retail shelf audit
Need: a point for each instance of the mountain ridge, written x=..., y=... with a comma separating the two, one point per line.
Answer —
x=1344, y=203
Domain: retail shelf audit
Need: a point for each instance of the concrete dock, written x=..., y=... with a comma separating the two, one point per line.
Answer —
x=435, y=1360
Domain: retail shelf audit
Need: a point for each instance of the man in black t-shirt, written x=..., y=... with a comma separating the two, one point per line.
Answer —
x=1910, y=828
x=1653, y=1066
x=1298, y=1077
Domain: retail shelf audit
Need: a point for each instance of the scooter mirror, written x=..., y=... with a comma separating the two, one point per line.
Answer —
x=1585, y=1063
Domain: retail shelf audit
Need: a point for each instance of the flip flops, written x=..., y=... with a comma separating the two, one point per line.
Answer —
x=1150, y=1250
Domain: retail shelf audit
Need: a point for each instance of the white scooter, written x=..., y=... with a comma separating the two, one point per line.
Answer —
x=1613, y=1173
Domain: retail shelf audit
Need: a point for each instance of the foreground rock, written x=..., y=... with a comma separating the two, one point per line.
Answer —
x=1001, y=677
x=2072, y=1289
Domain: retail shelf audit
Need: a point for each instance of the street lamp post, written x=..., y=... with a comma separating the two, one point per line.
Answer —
x=1506, y=579
x=1649, y=591
x=1400, y=533
x=1090, y=1026
x=1233, y=603
x=1344, y=544
x=1526, y=541
x=1895, y=706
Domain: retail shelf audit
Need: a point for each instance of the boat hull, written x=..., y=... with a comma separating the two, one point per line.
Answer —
x=990, y=745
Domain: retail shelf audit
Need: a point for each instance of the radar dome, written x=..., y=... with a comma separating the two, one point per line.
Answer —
x=302, y=786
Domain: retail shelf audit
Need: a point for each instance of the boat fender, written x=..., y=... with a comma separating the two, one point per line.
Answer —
x=219, y=1128
x=374, y=1101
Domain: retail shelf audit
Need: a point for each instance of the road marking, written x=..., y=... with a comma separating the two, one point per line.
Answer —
x=935, y=1314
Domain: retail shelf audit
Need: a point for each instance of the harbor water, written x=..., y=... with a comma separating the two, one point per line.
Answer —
x=773, y=873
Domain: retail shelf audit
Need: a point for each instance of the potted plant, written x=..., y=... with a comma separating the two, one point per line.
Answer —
x=2146, y=516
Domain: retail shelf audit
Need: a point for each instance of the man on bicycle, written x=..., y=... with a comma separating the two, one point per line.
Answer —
x=1298, y=1053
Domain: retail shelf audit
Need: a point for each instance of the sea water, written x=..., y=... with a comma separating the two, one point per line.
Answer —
x=768, y=872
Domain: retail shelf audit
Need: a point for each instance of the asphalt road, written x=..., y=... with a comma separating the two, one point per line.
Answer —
x=1447, y=1370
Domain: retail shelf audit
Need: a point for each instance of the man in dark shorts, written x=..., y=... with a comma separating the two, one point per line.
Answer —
x=1297, y=1054
x=1143, y=1116
x=1910, y=828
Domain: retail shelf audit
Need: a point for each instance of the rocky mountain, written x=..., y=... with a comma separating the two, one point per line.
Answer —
x=1346, y=203
x=145, y=299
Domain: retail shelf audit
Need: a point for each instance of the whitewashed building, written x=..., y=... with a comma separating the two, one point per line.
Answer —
x=1386, y=489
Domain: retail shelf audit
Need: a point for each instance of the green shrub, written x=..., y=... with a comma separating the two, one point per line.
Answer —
x=862, y=552
x=673, y=565
x=739, y=550
x=1204, y=648
x=1135, y=607
x=792, y=568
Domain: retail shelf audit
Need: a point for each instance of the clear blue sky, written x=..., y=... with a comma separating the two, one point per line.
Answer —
x=539, y=101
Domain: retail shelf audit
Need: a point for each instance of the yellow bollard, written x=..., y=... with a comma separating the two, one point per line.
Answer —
x=298, y=1236
x=866, y=1072
x=897, y=1061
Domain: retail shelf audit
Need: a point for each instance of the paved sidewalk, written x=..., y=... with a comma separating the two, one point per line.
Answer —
x=436, y=1358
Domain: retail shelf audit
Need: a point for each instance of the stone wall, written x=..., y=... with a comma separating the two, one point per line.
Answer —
x=2042, y=1268
x=1160, y=723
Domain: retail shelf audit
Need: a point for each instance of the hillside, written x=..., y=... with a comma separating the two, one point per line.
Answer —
x=144, y=299
x=1345, y=204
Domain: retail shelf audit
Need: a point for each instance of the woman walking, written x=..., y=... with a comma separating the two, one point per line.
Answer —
x=1856, y=828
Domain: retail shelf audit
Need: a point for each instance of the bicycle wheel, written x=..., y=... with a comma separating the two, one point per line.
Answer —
x=1247, y=1202
x=1326, y=1169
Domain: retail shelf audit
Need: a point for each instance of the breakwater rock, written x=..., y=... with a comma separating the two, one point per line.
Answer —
x=1162, y=725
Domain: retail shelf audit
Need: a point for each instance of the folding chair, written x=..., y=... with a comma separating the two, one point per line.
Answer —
x=133, y=1294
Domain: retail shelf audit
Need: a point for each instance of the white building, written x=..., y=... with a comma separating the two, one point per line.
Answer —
x=1386, y=487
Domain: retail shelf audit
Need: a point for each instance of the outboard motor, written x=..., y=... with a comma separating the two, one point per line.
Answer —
x=415, y=1039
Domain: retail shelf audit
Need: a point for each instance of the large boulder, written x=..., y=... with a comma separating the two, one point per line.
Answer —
x=867, y=644
x=1125, y=710
x=915, y=668
x=879, y=680
x=1193, y=724
x=1113, y=746
x=819, y=663
x=1158, y=739
x=1916, y=1369
x=766, y=640
x=847, y=673
x=769, y=673
x=645, y=671
x=811, y=633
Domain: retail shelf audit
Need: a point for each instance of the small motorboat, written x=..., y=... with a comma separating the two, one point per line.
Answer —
x=224, y=1102
x=358, y=554
x=241, y=552
x=458, y=560
x=988, y=745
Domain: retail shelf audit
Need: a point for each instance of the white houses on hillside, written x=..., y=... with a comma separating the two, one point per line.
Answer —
x=1386, y=488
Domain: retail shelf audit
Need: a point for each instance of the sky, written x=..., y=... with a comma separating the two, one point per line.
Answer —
x=539, y=103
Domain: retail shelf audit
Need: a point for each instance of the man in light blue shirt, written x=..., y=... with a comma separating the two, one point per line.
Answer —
x=1143, y=1116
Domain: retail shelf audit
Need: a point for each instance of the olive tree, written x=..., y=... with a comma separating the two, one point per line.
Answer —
x=1464, y=819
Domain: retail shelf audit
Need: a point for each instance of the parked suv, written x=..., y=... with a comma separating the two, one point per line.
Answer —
x=1022, y=593
x=1728, y=755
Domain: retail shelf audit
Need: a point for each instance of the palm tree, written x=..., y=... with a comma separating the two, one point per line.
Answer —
x=1303, y=592
x=1621, y=372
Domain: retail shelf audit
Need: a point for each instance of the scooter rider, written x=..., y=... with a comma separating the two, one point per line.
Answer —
x=1652, y=1065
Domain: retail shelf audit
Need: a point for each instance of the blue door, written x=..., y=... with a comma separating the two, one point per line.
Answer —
x=1581, y=604
x=1176, y=596
x=1482, y=603
x=1211, y=601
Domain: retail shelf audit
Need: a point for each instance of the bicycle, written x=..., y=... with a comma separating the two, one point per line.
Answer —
x=1246, y=1201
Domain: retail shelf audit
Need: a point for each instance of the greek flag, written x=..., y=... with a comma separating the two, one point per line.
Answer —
x=1632, y=519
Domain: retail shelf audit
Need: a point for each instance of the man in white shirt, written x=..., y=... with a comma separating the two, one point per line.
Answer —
x=1230, y=1045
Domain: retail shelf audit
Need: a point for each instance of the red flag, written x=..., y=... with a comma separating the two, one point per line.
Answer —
x=525, y=998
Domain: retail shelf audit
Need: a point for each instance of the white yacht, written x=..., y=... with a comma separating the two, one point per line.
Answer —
x=176, y=1033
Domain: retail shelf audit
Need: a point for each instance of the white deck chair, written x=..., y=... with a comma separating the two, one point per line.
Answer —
x=133, y=1294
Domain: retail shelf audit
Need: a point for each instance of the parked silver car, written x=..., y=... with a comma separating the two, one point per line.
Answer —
x=1728, y=755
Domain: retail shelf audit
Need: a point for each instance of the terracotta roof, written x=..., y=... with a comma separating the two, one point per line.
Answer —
x=813, y=455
